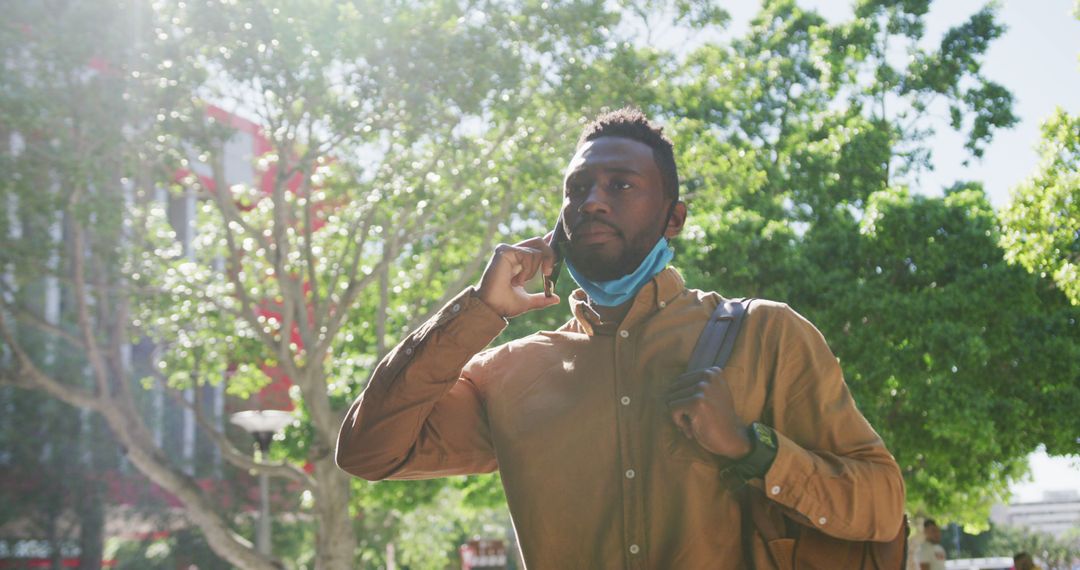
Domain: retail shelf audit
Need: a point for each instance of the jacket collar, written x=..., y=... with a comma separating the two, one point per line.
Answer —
x=655, y=295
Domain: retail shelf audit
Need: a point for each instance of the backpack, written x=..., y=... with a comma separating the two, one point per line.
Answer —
x=773, y=536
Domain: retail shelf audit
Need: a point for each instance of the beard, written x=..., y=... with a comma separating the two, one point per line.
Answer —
x=599, y=265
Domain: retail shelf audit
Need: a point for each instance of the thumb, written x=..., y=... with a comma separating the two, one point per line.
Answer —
x=540, y=300
x=684, y=423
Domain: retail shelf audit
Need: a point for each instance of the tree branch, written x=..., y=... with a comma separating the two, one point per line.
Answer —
x=230, y=453
x=295, y=306
x=86, y=327
x=24, y=316
x=236, y=268
x=28, y=375
x=471, y=268
x=309, y=254
x=350, y=239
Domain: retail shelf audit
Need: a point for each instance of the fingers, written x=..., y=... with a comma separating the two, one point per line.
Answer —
x=547, y=253
x=502, y=286
x=540, y=300
x=689, y=380
x=686, y=396
x=702, y=407
x=684, y=422
x=525, y=262
x=527, y=258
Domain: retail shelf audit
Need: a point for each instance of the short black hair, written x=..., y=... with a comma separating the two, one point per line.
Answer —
x=631, y=123
x=1020, y=556
x=929, y=523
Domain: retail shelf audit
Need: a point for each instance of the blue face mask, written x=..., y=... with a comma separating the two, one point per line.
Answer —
x=621, y=290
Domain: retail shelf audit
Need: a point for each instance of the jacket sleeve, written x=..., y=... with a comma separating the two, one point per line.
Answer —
x=419, y=418
x=831, y=466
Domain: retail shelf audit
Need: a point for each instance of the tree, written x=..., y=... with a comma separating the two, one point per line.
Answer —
x=313, y=276
x=1052, y=553
x=798, y=143
x=310, y=268
x=61, y=116
x=1042, y=222
x=962, y=385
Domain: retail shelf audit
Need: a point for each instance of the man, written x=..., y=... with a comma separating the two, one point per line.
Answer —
x=1023, y=561
x=611, y=454
x=931, y=555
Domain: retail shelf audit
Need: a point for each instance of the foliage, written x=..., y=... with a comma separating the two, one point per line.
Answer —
x=309, y=270
x=797, y=145
x=52, y=466
x=1042, y=222
x=63, y=155
x=920, y=314
x=428, y=536
x=1050, y=552
x=184, y=549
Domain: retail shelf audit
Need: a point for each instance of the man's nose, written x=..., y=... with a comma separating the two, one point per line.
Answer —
x=596, y=201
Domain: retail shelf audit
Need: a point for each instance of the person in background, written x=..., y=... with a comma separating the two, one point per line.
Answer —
x=1023, y=561
x=931, y=555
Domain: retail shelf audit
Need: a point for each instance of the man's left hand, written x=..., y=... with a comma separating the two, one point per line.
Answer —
x=703, y=409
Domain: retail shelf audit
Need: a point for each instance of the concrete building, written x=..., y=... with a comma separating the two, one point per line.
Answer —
x=1056, y=514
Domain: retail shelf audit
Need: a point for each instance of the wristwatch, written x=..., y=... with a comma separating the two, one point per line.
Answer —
x=756, y=464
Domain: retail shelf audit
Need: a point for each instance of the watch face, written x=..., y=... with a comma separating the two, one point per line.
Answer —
x=765, y=435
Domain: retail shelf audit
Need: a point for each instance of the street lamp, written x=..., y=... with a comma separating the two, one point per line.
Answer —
x=262, y=425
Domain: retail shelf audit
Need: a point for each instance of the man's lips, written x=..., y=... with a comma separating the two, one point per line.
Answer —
x=593, y=232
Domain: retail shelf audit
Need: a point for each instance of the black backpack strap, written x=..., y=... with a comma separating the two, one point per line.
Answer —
x=714, y=348
x=717, y=340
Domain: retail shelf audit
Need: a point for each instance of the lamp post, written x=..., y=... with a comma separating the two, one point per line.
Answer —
x=262, y=425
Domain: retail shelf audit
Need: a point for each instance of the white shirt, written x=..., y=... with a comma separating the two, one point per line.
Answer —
x=932, y=554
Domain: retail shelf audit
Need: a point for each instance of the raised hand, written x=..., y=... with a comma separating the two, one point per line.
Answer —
x=502, y=286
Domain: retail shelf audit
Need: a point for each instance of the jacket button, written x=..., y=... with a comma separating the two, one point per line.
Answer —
x=624, y=333
x=634, y=549
x=775, y=490
x=821, y=521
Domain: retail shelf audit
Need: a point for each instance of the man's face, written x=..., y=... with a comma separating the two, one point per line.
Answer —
x=933, y=534
x=615, y=207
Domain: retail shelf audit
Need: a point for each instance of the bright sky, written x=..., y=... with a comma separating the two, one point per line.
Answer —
x=1049, y=474
x=1038, y=59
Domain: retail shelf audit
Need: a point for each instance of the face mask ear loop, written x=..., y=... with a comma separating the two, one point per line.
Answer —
x=670, y=211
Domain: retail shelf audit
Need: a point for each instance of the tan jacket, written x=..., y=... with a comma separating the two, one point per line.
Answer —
x=595, y=472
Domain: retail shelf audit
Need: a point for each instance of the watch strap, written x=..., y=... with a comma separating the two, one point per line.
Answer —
x=757, y=463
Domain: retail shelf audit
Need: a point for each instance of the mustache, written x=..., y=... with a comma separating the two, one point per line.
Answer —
x=594, y=220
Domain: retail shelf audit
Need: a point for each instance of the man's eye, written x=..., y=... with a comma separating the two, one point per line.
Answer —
x=620, y=185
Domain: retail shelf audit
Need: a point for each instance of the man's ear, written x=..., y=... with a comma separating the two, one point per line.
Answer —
x=676, y=221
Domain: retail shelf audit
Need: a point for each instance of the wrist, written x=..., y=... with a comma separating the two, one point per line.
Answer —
x=745, y=444
x=479, y=296
x=759, y=459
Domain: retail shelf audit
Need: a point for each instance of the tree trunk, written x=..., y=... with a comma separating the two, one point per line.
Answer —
x=147, y=458
x=335, y=538
x=91, y=526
